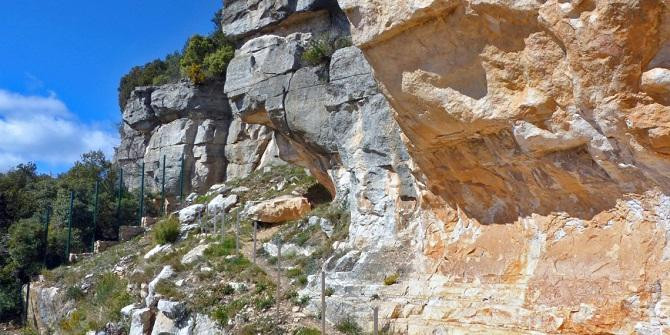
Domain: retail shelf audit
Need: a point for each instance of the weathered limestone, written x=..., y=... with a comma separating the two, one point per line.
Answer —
x=280, y=209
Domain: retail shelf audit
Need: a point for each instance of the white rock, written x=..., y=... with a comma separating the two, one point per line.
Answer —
x=128, y=310
x=140, y=322
x=161, y=248
x=221, y=204
x=288, y=249
x=166, y=273
x=195, y=254
x=326, y=226
x=241, y=189
x=191, y=198
x=189, y=214
x=206, y=269
x=206, y=326
x=172, y=309
x=163, y=325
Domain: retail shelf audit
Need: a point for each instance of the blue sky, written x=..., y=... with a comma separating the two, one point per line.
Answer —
x=60, y=65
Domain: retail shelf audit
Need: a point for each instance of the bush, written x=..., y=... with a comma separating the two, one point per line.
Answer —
x=349, y=326
x=223, y=313
x=306, y=331
x=390, y=280
x=156, y=72
x=195, y=74
x=74, y=293
x=329, y=291
x=216, y=63
x=321, y=49
x=166, y=231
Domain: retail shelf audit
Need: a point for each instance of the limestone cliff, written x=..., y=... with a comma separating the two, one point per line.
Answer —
x=507, y=159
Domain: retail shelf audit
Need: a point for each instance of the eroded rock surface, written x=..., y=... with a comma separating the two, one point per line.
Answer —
x=538, y=133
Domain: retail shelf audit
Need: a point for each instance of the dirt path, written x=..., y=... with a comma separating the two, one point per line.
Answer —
x=285, y=305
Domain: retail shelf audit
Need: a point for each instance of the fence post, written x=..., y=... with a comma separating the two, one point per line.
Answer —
x=237, y=234
x=69, y=229
x=375, y=320
x=163, y=189
x=181, y=181
x=323, y=302
x=95, y=214
x=254, y=251
x=277, y=302
x=142, y=195
x=118, y=202
x=25, y=321
x=46, y=235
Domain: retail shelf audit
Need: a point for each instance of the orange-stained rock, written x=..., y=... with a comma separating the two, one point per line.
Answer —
x=280, y=209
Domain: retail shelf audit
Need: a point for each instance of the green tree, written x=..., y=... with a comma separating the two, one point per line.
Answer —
x=216, y=63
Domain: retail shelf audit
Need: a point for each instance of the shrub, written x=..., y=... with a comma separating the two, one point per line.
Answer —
x=166, y=231
x=223, y=313
x=74, y=293
x=321, y=49
x=390, y=280
x=196, y=49
x=264, y=303
x=349, y=326
x=169, y=289
x=195, y=74
x=295, y=272
x=329, y=291
x=227, y=289
x=216, y=63
x=306, y=331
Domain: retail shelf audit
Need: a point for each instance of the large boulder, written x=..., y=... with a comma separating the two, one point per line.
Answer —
x=281, y=209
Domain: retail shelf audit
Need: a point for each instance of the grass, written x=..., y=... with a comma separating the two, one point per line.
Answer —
x=349, y=326
x=166, y=231
x=204, y=199
x=102, y=304
x=264, y=303
x=226, y=312
x=391, y=279
x=321, y=49
x=168, y=289
x=307, y=331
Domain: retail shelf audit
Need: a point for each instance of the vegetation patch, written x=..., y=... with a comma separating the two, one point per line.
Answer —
x=391, y=279
x=349, y=326
x=321, y=49
x=166, y=231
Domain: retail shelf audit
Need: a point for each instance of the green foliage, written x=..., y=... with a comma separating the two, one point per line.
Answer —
x=349, y=326
x=321, y=49
x=227, y=289
x=156, y=72
x=224, y=248
x=225, y=312
x=391, y=279
x=294, y=272
x=25, y=197
x=169, y=289
x=264, y=303
x=216, y=63
x=74, y=293
x=306, y=331
x=166, y=231
x=329, y=291
x=206, y=57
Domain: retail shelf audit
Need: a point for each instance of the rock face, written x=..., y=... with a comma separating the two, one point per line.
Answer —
x=181, y=120
x=507, y=159
x=539, y=136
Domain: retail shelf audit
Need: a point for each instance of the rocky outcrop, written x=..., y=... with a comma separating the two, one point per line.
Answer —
x=538, y=134
x=193, y=123
x=512, y=168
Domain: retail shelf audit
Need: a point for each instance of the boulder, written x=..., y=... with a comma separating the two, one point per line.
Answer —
x=163, y=325
x=221, y=204
x=194, y=254
x=159, y=249
x=189, y=214
x=140, y=323
x=281, y=209
x=326, y=226
x=172, y=309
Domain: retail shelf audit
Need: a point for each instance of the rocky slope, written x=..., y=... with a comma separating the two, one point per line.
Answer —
x=508, y=160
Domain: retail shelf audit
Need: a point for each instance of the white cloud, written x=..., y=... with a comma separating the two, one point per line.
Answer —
x=42, y=129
